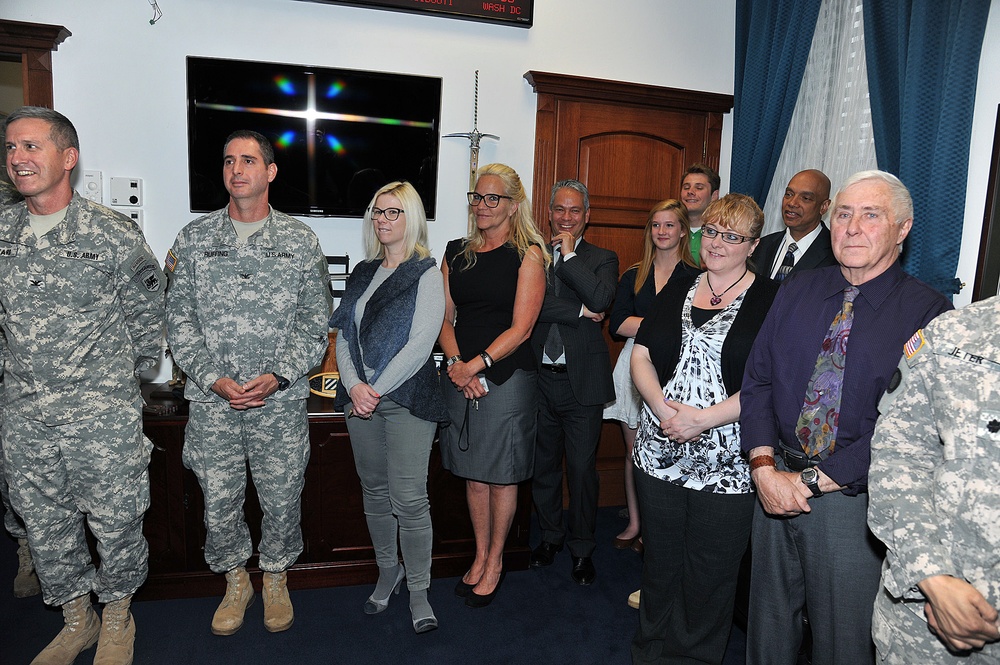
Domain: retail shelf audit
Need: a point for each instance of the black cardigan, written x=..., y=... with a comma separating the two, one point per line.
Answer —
x=660, y=331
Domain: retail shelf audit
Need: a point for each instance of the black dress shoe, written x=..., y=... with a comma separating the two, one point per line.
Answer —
x=544, y=554
x=462, y=589
x=583, y=570
x=477, y=601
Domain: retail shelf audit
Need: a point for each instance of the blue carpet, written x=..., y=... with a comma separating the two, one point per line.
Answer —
x=539, y=615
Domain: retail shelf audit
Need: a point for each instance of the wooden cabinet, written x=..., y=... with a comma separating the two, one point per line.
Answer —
x=338, y=550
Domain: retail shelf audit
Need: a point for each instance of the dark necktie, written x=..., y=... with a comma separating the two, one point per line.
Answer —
x=553, y=342
x=816, y=429
x=787, y=263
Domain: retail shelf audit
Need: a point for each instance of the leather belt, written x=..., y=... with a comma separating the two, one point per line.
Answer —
x=555, y=369
x=797, y=460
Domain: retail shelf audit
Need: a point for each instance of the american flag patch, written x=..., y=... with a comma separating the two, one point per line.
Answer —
x=171, y=261
x=913, y=344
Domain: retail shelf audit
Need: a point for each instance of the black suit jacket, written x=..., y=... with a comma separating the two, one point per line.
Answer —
x=590, y=278
x=819, y=254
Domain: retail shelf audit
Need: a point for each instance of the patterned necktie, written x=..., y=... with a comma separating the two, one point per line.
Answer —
x=553, y=341
x=816, y=429
x=787, y=263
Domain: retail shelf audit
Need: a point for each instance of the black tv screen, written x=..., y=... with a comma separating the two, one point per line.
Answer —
x=338, y=134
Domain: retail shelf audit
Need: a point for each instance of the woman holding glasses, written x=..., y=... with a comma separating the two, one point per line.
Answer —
x=388, y=319
x=692, y=482
x=494, y=285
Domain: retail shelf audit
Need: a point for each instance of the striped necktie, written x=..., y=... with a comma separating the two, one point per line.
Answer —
x=787, y=263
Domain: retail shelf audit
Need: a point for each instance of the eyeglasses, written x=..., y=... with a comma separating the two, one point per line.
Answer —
x=727, y=237
x=491, y=200
x=391, y=214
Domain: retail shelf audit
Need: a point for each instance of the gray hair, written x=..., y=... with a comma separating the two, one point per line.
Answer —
x=899, y=195
x=575, y=185
x=61, y=130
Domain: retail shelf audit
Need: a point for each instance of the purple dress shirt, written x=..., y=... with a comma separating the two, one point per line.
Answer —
x=888, y=310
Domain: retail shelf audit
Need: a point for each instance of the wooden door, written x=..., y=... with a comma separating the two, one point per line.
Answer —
x=629, y=144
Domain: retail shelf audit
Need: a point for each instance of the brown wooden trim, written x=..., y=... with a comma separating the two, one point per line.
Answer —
x=34, y=43
x=591, y=89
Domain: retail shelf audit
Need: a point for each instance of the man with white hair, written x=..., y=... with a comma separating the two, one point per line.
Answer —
x=809, y=402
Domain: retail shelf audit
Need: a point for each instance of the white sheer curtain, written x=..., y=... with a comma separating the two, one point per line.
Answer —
x=831, y=126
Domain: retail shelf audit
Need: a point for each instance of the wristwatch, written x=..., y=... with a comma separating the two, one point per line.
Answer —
x=810, y=478
x=283, y=383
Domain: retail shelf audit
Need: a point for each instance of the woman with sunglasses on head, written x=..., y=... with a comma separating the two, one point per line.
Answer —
x=692, y=482
x=388, y=320
x=494, y=286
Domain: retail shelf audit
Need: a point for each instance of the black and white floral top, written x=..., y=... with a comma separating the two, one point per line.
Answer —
x=712, y=462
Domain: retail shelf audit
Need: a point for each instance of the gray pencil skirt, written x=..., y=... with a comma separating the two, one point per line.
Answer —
x=494, y=442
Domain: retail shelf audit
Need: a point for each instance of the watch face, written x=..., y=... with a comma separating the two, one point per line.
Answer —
x=810, y=476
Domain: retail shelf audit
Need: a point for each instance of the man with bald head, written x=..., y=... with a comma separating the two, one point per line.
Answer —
x=805, y=242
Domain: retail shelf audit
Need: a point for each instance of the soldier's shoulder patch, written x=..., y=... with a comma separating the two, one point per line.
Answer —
x=892, y=391
x=171, y=261
x=914, y=344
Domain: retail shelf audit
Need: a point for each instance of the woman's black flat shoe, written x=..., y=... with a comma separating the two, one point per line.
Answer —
x=477, y=601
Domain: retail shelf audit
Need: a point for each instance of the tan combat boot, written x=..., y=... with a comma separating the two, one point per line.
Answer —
x=239, y=596
x=117, y=634
x=80, y=633
x=278, y=614
x=26, y=582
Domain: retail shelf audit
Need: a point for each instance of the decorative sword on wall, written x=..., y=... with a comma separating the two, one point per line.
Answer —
x=474, y=137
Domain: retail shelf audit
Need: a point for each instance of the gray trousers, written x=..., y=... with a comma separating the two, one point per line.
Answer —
x=219, y=443
x=825, y=561
x=94, y=469
x=391, y=452
x=565, y=427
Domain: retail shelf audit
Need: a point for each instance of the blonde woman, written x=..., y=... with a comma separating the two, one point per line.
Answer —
x=666, y=252
x=388, y=319
x=494, y=286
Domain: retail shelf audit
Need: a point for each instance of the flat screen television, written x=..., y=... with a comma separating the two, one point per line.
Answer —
x=338, y=134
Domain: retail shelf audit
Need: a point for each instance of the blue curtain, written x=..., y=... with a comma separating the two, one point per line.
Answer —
x=772, y=45
x=923, y=60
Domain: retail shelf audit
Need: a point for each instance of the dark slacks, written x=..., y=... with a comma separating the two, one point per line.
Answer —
x=826, y=561
x=566, y=426
x=694, y=543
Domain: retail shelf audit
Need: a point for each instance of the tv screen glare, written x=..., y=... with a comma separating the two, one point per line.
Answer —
x=338, y=134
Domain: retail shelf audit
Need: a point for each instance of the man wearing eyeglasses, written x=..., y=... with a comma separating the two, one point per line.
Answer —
x=247, y=311
x=805, y=242
x=825, y=355
x=574, y=382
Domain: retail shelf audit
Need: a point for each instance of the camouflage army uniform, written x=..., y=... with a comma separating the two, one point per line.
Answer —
x=81, y=309
x=241, y=311
x=15, y=527
x=935, y=497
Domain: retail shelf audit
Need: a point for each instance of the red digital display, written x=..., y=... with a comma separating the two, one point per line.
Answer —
x=511, y=12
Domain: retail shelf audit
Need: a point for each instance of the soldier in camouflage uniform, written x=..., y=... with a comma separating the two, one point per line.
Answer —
x=26, y=582
x=935, y=497
x=81, y=310
x=247, y=312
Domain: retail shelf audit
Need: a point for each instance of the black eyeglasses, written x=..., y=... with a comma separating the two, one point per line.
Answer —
x=391, y=214
x=491, y=200
x=727, y=237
